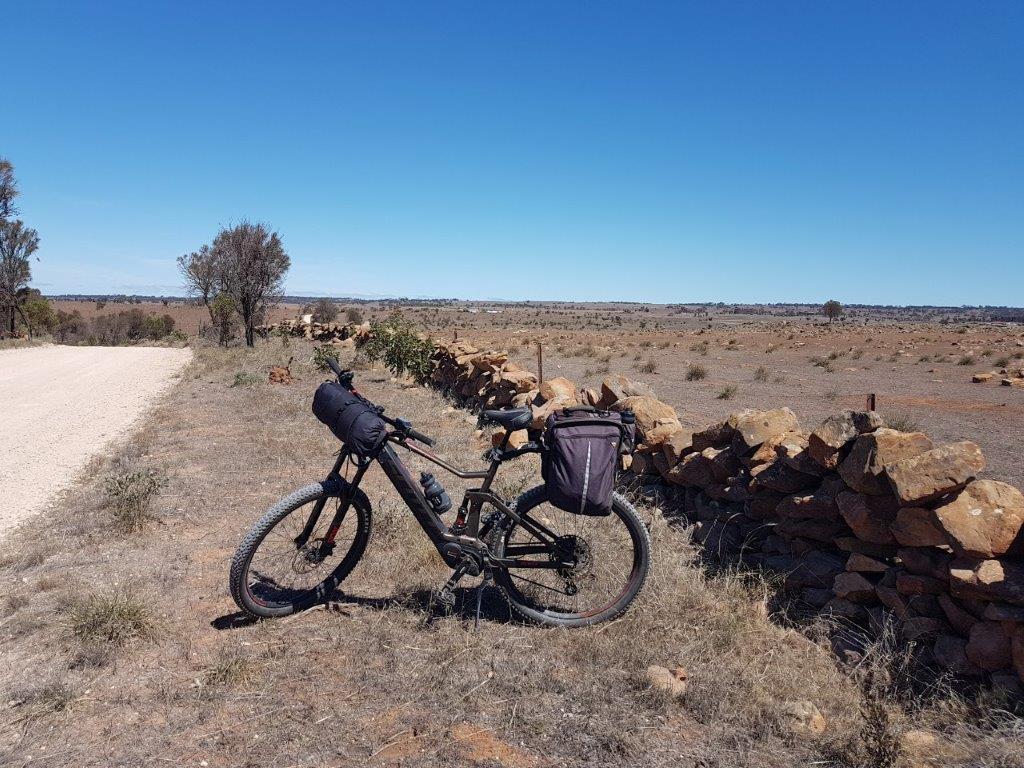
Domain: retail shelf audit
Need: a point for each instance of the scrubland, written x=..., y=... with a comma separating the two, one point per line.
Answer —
x=121, y=645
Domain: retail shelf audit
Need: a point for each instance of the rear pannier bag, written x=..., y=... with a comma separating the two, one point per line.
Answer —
x=581, y=450
x=353, y=419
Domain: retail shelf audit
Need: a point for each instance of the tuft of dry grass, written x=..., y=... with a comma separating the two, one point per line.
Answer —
x=695, y=372
x=111, y=618
x=728, y=392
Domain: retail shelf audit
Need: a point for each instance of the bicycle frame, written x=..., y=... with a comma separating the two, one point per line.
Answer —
x=453, y=544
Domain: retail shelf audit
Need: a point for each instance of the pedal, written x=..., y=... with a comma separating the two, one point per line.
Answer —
x=445, y=598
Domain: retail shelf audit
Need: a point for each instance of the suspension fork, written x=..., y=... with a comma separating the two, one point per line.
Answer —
x=335, y=486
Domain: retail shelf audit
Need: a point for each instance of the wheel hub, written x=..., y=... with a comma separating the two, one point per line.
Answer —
x=309, y=556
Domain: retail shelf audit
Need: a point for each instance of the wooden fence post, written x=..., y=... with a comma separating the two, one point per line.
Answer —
x=871, y=401
x=540, y=363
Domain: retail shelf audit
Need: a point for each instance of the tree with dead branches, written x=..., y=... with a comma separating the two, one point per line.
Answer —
x=199, y=271
x=246, y=263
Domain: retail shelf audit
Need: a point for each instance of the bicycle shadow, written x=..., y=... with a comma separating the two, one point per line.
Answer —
x=494, y=607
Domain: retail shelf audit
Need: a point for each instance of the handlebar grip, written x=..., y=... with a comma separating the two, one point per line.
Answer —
x=334, y=365
x=421, y=438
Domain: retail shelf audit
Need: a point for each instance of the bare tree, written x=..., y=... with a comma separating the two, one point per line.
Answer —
x=251, y=263
x=17, y=244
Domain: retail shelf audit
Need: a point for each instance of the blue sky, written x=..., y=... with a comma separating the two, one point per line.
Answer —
x=871, y=152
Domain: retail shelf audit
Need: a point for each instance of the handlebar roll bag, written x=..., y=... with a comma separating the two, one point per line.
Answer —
x=581, y=450
x=353, y=419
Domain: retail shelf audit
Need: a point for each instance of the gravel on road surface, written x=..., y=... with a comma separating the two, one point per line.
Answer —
x=59, y=406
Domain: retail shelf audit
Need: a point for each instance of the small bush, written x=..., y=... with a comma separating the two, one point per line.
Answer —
x=322, y=354
x=728, y=393
x=966, y=360
x=761, y=374
x=246, y=379
x=130, y=494
x=649, y=367
x=696, y=372
x=110, y=619
x=397, y=344
x=701, y=347
x=1002, y=362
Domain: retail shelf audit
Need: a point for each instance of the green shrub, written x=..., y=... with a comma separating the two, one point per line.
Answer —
x=696, y=372
x=322, y=354
x=398, y=345
x=245, y=379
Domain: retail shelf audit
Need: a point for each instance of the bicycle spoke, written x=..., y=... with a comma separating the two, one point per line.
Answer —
x=280, y=571
x=603, y=549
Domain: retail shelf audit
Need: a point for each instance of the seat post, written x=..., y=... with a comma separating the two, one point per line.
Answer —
x=495, y=462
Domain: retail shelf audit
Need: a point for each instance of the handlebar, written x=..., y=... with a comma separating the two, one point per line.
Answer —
x=404, y=427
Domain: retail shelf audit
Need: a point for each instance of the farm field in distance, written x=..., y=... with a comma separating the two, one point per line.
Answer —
x=918, y=362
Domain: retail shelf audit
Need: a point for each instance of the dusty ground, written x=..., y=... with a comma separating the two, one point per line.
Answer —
x=124, y=649
x=61, y=405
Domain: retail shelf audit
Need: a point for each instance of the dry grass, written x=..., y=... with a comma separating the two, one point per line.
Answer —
x=377, y=677
x=695, y=372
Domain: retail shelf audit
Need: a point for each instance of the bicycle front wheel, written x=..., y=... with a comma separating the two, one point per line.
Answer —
x=271, y=575
x=612, y=557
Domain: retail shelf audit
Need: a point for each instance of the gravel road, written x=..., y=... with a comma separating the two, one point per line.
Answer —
x=61, y=405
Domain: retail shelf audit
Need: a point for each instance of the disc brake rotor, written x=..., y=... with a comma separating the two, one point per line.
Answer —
x=307, y=559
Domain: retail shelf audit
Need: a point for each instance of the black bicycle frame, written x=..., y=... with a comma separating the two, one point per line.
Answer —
x=470, y=535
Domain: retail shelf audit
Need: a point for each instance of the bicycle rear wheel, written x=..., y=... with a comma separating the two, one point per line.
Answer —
x=612, y=556
x=272, y=576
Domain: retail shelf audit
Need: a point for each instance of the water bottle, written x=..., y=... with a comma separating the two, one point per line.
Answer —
x=435, y=493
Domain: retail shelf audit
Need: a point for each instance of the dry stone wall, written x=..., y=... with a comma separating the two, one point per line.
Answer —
x=879, y=527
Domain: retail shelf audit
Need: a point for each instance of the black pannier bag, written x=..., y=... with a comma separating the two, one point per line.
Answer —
x=353, y=419
x=581, y=450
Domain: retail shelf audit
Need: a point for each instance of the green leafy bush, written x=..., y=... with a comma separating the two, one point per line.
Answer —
x=322, y=354
x=396, y=342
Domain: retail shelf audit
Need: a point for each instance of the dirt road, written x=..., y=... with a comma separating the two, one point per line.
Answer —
x=61, y=405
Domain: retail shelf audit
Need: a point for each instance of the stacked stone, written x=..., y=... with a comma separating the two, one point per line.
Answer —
x=325, y=333
x=877, y=526
x=484, y=379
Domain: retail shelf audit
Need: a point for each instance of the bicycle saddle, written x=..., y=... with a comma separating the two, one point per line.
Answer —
x=511, y=419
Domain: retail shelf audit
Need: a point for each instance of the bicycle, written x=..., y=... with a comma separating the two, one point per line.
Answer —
x=551, y=565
